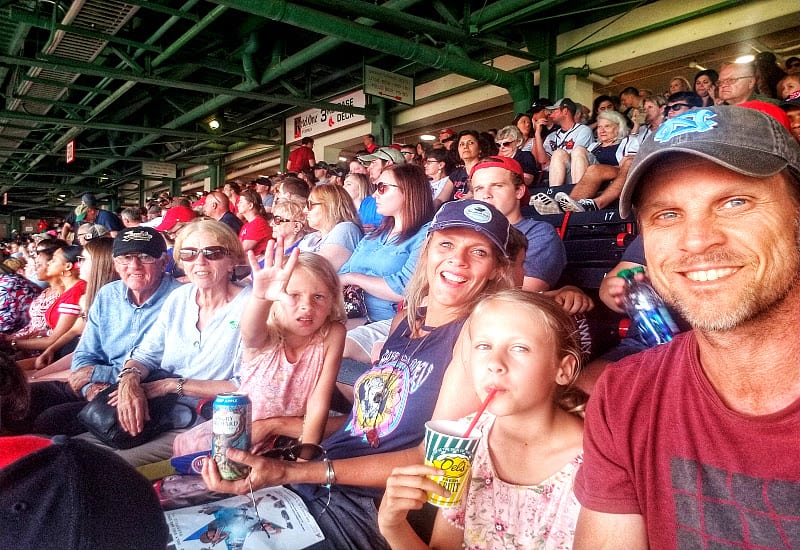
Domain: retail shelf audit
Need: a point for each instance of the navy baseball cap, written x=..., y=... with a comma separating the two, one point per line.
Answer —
x=743, y=140
x=476, y=215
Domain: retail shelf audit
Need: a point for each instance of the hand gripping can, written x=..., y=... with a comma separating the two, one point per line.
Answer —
x=231, y=426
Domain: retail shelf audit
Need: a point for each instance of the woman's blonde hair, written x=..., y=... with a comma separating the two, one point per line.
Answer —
x=419, y=286
x=365, y=189
x=223, y=234
x=320, y=270
x=103, y=270
x=558, y=324
x=336, y=203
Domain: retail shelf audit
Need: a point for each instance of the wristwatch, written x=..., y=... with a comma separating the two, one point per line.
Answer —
x=179, y=387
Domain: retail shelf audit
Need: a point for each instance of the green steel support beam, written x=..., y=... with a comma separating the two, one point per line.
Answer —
x=504, y=8
x=43, y=23
x=59, y=84
x=273, y=72
x=60, y=64
x=394, y=18
x=153, y=6
x=317, y=21
x=72, y=123
x=574, y=50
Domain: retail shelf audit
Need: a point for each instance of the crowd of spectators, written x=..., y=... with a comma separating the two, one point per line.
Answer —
x=168, y=298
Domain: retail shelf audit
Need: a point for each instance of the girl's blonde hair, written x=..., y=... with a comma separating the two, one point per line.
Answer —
x=419, y=286
x=559, y=325
x=321, y=270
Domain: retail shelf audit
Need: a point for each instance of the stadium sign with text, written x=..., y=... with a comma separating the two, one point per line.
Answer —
x=388, y=85
x=317, y=121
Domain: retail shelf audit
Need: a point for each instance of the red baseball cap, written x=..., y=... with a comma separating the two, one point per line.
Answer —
x=498, y=162
x=174, y=215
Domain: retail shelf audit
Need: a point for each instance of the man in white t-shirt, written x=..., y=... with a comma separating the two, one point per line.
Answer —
x=553, y=151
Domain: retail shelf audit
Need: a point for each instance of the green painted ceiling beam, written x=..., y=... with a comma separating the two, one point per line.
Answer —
x=72, y=123
x=663, y=24
x=61, y=64
x=446, y=58
x=160, y=8
x=485, y=17
x=59, y=84
x=28, y=18
x=81, y=154
x=393, y=17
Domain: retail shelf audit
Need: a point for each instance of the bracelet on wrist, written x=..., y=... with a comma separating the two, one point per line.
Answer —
x=129, y=370
x=330, y=474
x=179, y=386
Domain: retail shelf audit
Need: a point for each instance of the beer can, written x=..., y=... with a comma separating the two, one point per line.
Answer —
x=231, y=426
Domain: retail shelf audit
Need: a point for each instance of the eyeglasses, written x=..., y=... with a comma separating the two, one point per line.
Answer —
x=676, y=107
x=731, y=81
x=310, y=205
x=382, y=187
x=80, y=258
x=212, y=253
x=86, y=236
x=277, y=220
x=304, y=451
x=407, y=153
x=127, y=259
x=504, y=143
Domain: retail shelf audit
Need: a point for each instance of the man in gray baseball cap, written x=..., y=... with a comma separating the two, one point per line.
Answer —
x=693, y=444
x=377, y=161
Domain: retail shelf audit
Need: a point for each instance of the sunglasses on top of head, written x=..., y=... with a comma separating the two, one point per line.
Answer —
x=211, y=253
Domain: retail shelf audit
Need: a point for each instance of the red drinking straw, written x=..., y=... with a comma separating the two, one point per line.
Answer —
x=480, y=412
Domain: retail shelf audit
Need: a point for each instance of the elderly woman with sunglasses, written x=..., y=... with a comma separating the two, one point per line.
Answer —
x=289, y=222
x=196, y=337
x=508, y=140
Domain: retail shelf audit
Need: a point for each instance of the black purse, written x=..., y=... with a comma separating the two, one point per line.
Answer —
x=166, y=413
x=355, y=303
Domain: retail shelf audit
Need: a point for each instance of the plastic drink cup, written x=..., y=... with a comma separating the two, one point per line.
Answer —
x=447, y=449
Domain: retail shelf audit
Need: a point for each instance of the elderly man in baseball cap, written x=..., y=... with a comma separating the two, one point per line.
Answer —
x=694, y=443
x=120, y=315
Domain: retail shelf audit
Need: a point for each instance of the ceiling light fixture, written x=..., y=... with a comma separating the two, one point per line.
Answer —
x=427, y=137
x=213, y=124
x=745, y=59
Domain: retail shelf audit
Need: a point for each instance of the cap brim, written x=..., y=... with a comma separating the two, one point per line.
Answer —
x=728, y=156
x=450, y=224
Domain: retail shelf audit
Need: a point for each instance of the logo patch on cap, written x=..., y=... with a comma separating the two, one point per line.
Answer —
x=687, y=123
x=137, y=236
x=478, y=213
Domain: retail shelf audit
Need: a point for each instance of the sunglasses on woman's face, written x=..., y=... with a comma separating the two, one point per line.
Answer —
x=502, y=144
x=304, y=451
x=277, y=220
x=383, y=187
x=211, y=253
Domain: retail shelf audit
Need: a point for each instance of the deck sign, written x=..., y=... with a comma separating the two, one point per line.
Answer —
x=388, y=85
x=70, y=151
x=313, y=122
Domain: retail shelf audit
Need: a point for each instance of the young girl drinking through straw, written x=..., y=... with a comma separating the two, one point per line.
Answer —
x=293, y=336
x=526, y=350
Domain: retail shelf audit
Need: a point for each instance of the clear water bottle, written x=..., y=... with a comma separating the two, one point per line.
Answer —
x=647, y=310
